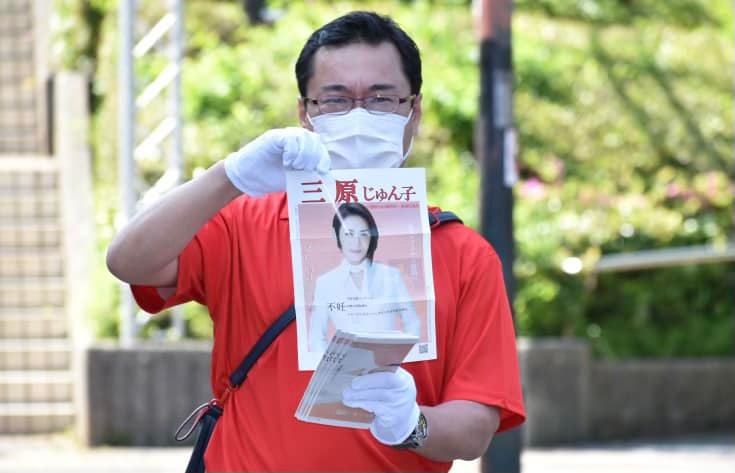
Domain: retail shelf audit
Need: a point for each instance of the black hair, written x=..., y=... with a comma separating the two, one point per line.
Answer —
x=360, y=27
x=355, y=208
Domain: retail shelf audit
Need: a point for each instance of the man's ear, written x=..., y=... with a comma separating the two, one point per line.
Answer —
x=417, y=111
x=412, y=127
x=302, y=115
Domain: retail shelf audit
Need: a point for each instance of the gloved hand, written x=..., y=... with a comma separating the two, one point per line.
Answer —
x=392, y=398
x=258, y=167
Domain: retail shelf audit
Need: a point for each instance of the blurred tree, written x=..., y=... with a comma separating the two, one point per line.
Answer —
x=255, y=10
x=624, y=111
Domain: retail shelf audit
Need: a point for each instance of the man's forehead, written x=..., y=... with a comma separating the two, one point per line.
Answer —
x=362, y=66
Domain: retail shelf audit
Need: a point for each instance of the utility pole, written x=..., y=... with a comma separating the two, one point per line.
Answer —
x=254, y=10
x=496, y=148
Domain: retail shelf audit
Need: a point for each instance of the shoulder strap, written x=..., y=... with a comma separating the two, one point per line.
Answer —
x=241, y=373
x=439, y=218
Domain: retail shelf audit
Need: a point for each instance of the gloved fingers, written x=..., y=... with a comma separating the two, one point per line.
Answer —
x=325, y=162
x=303, y=151
x=302, y=158
x=388, y=396
x=313, y=152
x=391, y=419
x=232, y=171
x=386, y=420
x=320, y=160
x=273, y=141
x=383, y=380
x=309, y=152
x=398, y=429
x=366, y=405
x=291, y=152
x=376, y=397
x=380, y=409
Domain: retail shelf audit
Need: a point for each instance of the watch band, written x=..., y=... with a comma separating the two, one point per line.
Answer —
x=417, y=438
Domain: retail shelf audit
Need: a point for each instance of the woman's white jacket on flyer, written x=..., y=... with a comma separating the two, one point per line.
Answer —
x=377, y=305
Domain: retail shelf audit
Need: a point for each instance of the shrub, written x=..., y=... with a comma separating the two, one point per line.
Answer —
x=625, y=122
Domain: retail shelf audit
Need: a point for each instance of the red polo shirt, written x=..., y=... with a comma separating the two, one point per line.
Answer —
x=239, y=266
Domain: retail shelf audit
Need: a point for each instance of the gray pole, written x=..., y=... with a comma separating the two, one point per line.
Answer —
x=497, y=160
x=176, y=160
x=126, y=143
x=176, y=154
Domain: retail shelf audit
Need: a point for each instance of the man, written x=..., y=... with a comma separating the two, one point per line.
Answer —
x=223, y=240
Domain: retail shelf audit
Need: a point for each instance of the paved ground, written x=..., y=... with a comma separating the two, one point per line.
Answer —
x=713, y=454
x=704, y=454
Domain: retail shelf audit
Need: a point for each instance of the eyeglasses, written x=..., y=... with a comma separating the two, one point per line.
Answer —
x=376, y=104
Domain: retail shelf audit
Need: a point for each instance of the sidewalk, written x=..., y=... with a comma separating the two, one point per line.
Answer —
x=701, y=454
x=711, y=454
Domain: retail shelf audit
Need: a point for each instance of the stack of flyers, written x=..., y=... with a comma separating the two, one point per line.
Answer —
x=349, y=355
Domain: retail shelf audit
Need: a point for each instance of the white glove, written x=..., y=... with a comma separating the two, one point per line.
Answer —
x=258, y=167
x=392, y=398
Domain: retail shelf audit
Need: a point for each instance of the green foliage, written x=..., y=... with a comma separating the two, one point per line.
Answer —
x=627, y=146
x=624, y=114
x=684, y=311
x=104, y=302
x=686, y=13
x=74, y=47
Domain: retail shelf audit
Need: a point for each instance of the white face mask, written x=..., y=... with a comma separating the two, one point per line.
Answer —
x=359, y=139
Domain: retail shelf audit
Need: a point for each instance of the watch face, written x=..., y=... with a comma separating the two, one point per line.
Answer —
x=422, y=429
x=418, y=436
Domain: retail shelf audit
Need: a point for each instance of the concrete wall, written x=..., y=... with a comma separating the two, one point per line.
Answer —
x=139, y=396
x=556, y=390
x=661, y=397
x=570, y=397
x=74, y=160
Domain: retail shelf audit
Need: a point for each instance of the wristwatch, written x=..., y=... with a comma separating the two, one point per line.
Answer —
x=417, y=438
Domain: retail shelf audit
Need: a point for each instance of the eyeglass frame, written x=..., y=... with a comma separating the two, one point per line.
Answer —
x=401, y=101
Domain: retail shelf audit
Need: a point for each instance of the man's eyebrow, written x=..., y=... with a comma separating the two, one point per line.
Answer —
x=344, y=88
x=379, y=87
x=334, y=88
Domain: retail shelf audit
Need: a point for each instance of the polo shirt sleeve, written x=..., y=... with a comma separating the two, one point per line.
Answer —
x=200, y=267
x=483, y=359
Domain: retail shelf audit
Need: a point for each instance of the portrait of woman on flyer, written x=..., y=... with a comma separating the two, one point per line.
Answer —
x=359, y=294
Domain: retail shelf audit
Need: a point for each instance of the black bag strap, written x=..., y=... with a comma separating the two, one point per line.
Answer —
x=207, y=423
x=207, y=414
x=439, y=218
x=241, y=373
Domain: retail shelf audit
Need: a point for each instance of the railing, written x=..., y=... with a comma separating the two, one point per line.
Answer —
x=666, y=257
x=170, y=28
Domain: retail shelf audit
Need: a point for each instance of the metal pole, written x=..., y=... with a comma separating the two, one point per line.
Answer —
x=176, y=160
x=126, y=141
x=176, y=154
x=496, y=147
